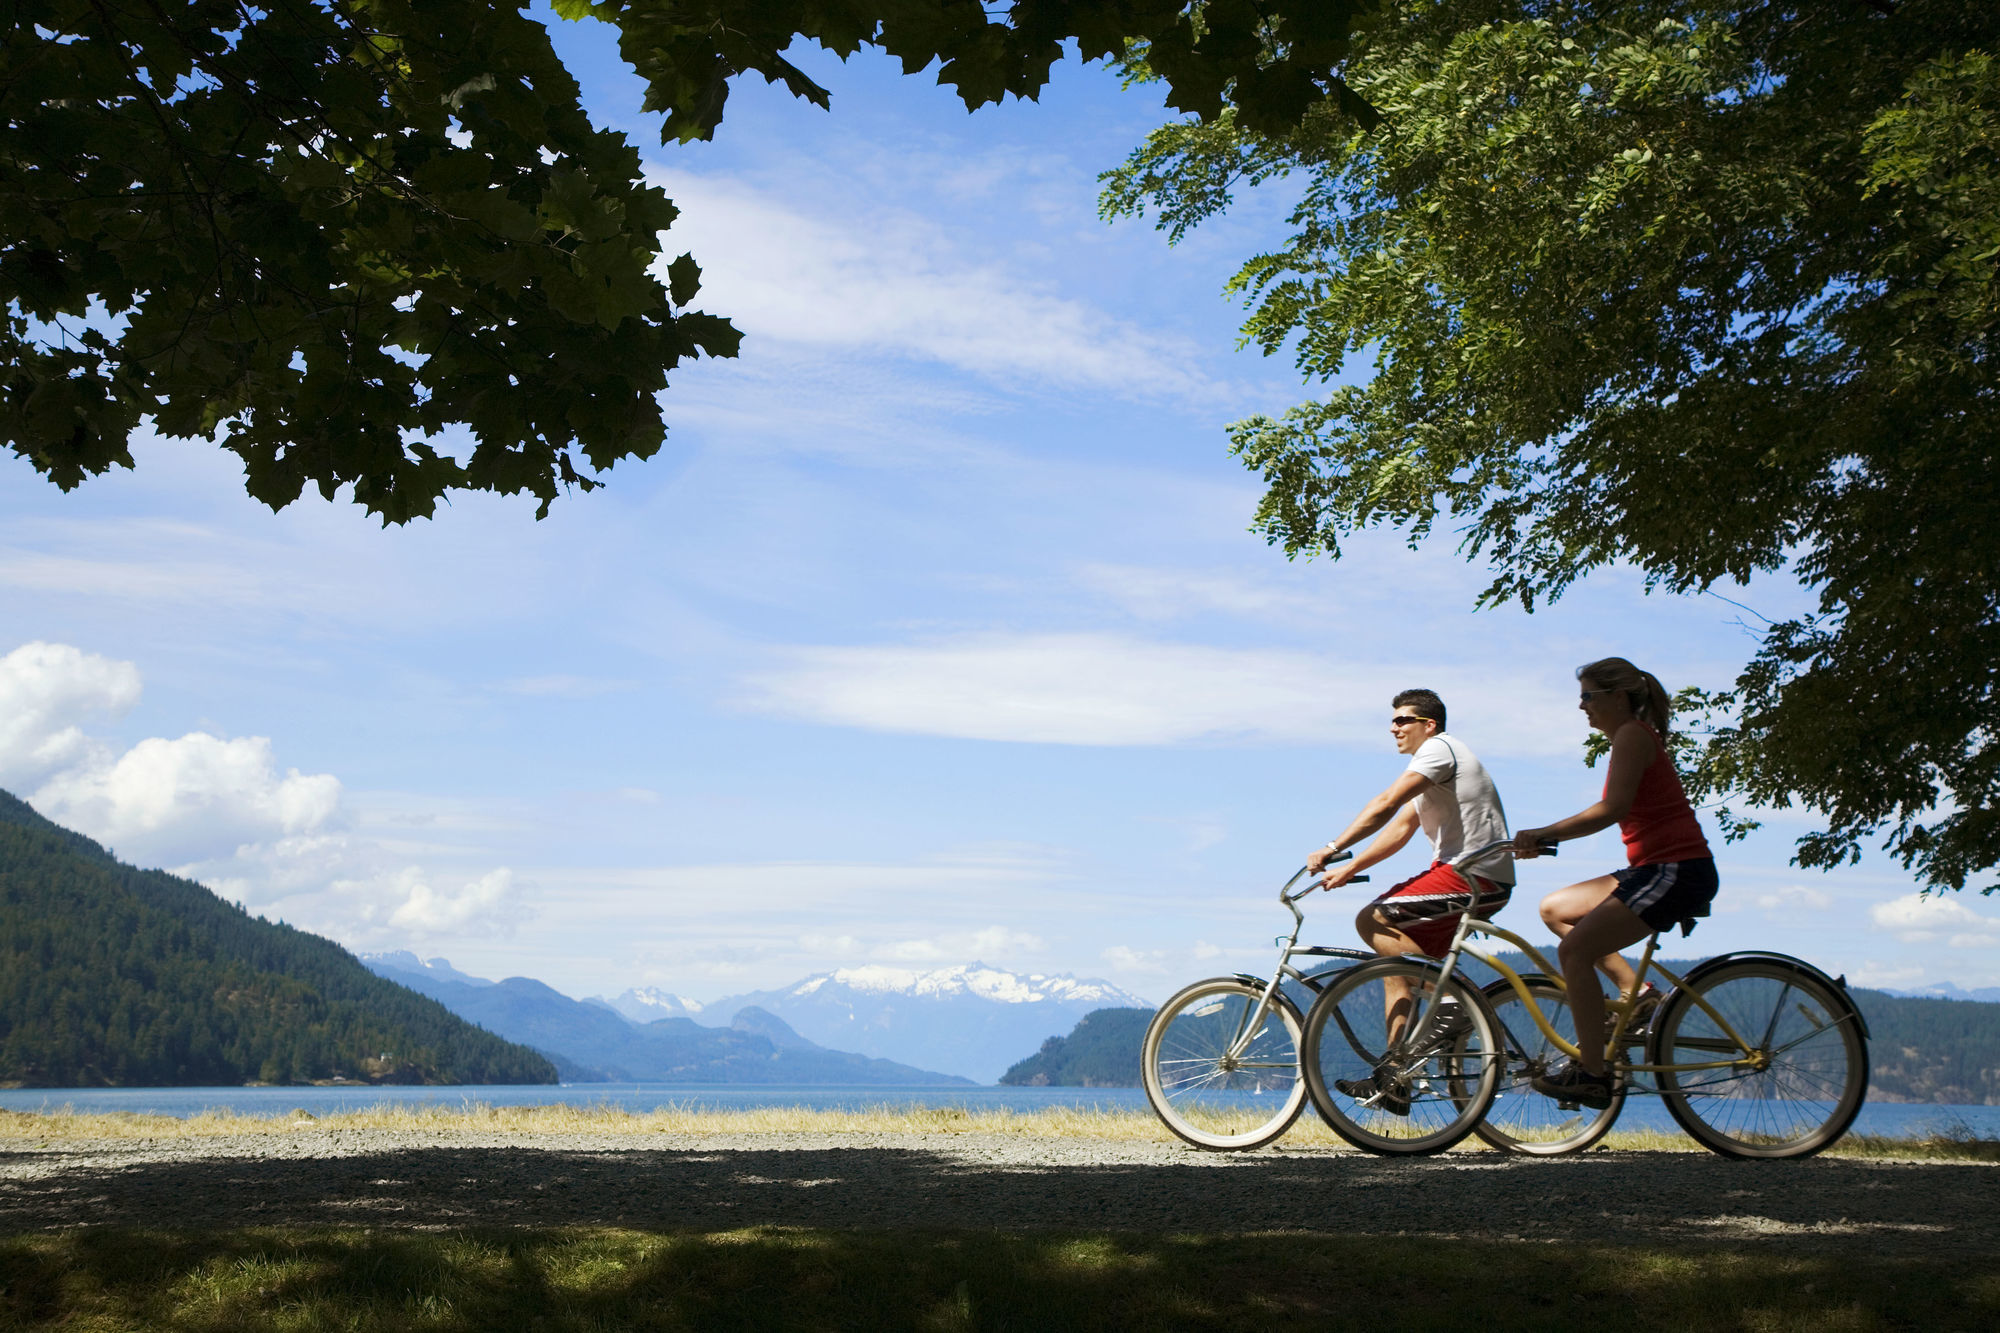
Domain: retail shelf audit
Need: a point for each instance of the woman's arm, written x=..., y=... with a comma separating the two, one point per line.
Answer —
x=1631, y=750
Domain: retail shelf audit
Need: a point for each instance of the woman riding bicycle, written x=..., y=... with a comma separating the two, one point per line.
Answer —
x=1670, y=879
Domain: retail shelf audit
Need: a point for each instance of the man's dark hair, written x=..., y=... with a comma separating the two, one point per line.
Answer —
x=1425, y=702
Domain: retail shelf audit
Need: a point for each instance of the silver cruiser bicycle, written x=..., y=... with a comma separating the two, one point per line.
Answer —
x=1220, y=1059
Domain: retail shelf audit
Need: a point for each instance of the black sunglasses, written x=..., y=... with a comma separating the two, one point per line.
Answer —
x=1400, y=718
x=1587, y=695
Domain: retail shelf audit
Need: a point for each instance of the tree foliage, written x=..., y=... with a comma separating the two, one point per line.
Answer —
x=324, y=233
x=1706, y=286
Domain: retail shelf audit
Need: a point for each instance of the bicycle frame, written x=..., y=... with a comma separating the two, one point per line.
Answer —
x=1288, y=949
x=1750, y=1056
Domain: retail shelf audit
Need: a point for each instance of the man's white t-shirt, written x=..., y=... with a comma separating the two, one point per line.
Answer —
x=1460, y=809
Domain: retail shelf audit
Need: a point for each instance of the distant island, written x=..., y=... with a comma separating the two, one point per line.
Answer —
x=1101, y=1052
x=111, y=976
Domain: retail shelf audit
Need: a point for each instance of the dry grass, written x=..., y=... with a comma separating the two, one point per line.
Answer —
x=1091, y=1122
x=479, y=1118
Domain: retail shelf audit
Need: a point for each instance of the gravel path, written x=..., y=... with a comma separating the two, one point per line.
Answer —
x=447, y=1179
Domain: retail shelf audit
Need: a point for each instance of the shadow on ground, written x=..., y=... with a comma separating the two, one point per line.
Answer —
x=1673, y=1199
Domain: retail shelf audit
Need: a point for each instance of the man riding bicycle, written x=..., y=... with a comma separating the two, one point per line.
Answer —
x=1446, y=792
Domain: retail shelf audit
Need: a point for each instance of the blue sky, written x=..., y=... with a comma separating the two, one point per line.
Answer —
x=935, y=633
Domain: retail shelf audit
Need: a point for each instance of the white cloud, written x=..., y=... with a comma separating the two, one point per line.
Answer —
x=46, y=691
x=1885, y=975
x=219, y=811
x=176, y=799
x=170, y=800
x=1795, y=897
x=1113, y=690
x=484, y=906
x=1125, y=959
x=985, y=945
x=1917, y=919
x=882, y=281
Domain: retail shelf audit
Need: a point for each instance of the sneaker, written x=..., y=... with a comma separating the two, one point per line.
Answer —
x=1644, y=1010
x=1379, y=1090
x=1574, y=1083
x=1449, y=1024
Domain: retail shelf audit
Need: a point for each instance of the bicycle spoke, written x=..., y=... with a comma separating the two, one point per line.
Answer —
x=1814, y=1065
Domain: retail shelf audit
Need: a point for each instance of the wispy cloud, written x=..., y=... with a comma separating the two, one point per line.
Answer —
x=1793, y=898
x=870, y=278
x=1164, y=595
x=1114, y=690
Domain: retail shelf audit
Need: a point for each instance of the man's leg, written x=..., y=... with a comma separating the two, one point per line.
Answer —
x=1563, y=909
x=1389, y=942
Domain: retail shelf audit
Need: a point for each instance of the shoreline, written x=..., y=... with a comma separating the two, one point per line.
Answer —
x=476, y=1121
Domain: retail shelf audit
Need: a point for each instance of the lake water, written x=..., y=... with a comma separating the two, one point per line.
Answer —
x=1894, y=1120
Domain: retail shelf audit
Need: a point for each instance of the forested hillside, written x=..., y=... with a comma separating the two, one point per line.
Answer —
x=1932, y=1050
x=114, y=976
x=1101, y=1052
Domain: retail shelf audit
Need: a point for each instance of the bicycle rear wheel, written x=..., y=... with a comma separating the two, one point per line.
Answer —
x=1398, y=1098
x=1521, y=1119
x=1213, y=1079
x=1814, y=1072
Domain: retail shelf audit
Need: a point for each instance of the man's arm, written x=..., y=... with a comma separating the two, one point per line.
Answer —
x=1375, y=815
x=1395, y=835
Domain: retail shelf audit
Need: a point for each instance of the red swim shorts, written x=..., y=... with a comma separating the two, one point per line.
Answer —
x=1427, y=907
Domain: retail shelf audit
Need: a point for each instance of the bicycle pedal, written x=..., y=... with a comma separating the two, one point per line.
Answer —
x=1569, y=1106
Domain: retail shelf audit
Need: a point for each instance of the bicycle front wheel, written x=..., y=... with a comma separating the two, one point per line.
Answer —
x=1401, y=1096
x=1811, y=1064
x=1521, y=1119
x=1217, y=1073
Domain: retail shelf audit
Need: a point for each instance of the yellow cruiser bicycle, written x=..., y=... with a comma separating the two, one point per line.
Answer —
x=1755, y=1054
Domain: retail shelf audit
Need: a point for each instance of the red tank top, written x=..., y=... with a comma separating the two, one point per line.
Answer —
x=1661, y=826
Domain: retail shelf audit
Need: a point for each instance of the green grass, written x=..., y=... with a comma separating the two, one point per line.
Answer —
x=559, y=1281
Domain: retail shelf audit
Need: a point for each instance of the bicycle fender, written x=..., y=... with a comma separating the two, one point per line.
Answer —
x=1836, y=984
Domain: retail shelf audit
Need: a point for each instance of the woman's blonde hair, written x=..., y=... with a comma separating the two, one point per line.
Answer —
x=1643, y=688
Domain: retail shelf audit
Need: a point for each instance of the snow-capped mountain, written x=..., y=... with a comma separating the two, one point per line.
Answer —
x=971, y=1020
x=402, y=960
x=643, y=1004
x=1945, y=990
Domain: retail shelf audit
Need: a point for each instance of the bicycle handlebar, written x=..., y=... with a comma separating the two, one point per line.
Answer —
x=1287, y=897
x=1481, y=853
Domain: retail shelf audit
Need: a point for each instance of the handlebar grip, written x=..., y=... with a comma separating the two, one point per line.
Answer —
x=1546, y=848
x=1358, y=879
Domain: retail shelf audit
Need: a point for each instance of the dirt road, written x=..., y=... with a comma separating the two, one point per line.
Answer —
x=396, y=1179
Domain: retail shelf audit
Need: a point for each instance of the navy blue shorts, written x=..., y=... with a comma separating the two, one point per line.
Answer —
x=1672, y=893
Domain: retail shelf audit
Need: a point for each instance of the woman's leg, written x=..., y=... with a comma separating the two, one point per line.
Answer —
x=1561, y=911
x=1604, y=930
